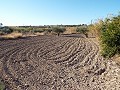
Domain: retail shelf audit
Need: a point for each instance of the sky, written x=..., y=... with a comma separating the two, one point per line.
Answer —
x=54, y=12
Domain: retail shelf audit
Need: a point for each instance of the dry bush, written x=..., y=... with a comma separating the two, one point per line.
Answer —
x=95, y=29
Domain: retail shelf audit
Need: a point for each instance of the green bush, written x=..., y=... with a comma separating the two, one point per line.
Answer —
x=38, y=30
x=6, y=30
x=82, y=30
x=19, y=30
x=110, y=37
x=23, y=30
x=58, y=30
x=2, y=86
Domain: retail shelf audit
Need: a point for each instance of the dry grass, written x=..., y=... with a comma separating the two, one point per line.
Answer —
x=116, y=58
x=12, y=35
x=43, y=33
x=70, y=30
x=15, y=35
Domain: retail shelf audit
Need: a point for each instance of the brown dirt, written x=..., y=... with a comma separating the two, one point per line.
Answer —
x=56, y=63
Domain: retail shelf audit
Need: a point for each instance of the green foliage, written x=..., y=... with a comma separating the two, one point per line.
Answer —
x=2, y=86
x=38, y=30
x=6, y=30
x=58, y=30
x=108, y=51
x=110, y=37
x=83, y=30
x=22, y=29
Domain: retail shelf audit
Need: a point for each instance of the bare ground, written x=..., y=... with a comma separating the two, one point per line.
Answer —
x=56, y=63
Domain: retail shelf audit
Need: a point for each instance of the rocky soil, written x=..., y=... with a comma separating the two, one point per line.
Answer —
x=56, y=63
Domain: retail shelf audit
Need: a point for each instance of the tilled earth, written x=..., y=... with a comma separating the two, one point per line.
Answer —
x=56, y=63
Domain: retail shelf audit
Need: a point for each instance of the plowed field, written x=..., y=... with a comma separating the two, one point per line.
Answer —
x=55, y=63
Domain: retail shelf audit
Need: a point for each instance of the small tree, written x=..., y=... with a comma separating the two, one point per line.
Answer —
x=58, y=30
x=82, y=30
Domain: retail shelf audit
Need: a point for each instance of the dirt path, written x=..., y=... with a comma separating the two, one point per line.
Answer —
x=56, y=63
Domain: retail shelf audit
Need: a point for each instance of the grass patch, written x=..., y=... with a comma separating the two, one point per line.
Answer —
x=11, y=36
x=2, y=86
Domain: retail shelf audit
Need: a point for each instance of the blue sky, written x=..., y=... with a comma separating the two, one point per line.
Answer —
x=52, y=12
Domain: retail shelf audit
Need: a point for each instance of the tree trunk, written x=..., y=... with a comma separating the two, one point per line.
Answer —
x=58, y=34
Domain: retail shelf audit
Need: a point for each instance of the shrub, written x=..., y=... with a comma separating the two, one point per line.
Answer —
x=110, y=37
x=6, y=30
x=58, y=30
x=82, y=30
x=2, y=86
x=38, y=30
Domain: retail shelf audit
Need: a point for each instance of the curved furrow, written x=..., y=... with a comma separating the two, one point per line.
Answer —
x=77, y=48
x=45, y=52
x=7, y=74
x=69, y=52
x=59, y=49
x=89, y=57
x=79, y=56
x=31, y=50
